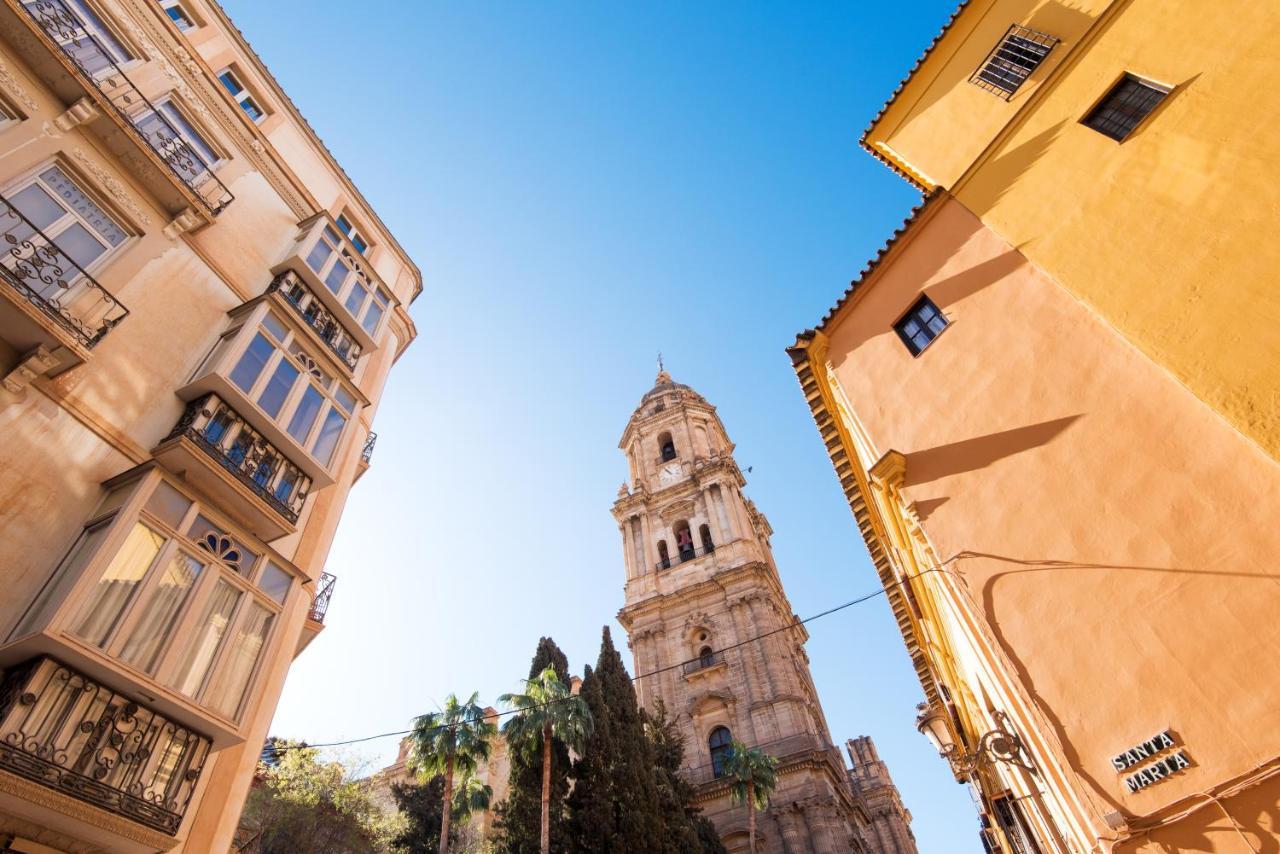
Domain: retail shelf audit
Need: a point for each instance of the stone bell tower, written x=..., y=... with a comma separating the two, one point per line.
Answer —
x=702, y=588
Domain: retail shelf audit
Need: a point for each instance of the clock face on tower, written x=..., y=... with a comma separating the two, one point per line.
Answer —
x=670, y=474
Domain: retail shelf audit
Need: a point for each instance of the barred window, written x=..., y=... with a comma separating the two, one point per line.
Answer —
x=1013, y=60
x=920, y=325
x=1120, y=112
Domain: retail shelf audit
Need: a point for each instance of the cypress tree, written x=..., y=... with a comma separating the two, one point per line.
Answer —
x=614, y=808
x=686, y=830
x=520, y=815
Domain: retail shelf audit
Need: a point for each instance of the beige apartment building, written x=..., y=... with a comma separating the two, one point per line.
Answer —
x=198, y=313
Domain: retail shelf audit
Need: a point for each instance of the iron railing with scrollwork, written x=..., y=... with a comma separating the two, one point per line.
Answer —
x=366, y=453
x=66, y=731
x=99, y=70
x=324, y=592
x=685, y=555
x=305, y=303
x=703, y=662
x=223, y=434
x=50, y=280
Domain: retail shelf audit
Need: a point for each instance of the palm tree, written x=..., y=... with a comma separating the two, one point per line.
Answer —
x=454, y=739
x=470, y=795
x=753, y=775
x=547, y=710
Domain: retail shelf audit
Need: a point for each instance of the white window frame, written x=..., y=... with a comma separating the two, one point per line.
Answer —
x=185, y=11
x=233, y=346
x=353, y=231
x=337, y=249
x=245, y=95
x=9, y=115
x=179, y=538
x=71, y=216
x=131, y=55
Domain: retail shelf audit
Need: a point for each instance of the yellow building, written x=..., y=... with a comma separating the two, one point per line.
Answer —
x=1051, y=403
x=198, y=314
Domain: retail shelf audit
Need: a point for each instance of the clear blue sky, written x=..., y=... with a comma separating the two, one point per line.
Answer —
x=584, y=185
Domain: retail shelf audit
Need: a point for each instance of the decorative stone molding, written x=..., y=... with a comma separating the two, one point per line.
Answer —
x=82, y=111
x=35, y=363
x=182, y=223
x=114, y=187
x=43, y=796
x=676, y=510
x=14, y=89
x=890, y=470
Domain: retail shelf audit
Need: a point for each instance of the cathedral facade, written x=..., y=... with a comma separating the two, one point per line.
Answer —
x=715, y=641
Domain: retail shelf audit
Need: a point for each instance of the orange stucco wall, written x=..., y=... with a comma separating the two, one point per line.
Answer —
x=1117, y=535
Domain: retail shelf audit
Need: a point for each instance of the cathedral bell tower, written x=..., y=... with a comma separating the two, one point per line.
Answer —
x=706, y=614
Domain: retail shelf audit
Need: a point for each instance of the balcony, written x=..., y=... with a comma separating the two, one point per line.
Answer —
x=63, y=730
x=706, y=661
x=67, y=54
x=324, y=591
x=341, y=277
x=684, y=556
x=297, y=294
x=55, y=303
x=249, y=478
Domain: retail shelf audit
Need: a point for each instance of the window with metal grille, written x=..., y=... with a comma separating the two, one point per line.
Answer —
x=1011, y=62
x=1120, y=112
x=919, y=326
x=1008, y=814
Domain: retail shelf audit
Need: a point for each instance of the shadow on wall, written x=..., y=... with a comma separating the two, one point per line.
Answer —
x=988, y=606
x=978, y=453
x=1003, y=171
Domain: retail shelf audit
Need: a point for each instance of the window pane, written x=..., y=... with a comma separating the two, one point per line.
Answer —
x=233, y=86
x=118, y=582
x=168, y=505
x=189, y=133
x=37, y=205
x=346, y=399
x=150, y=637
x=53, y=594
x=217, y=542
x=305, y=415
x=227, y=689
x=318, y=255
x=371, y=318
x=206, y=639
x=356, y=298
x=73, y=197
x=274, y=327
x=337, y=276
x=272, y=397
x=344, y=224
x=251, y=108
x=328, y=438
x=275, y=582
x=89, y=52
x=180, y=18
x=360, y=245
x=82, y=247
x=251, y=363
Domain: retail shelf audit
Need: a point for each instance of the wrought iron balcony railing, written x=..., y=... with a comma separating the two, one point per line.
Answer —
x=63, y=730
x=99, y=71
x=684, y=555
x=324, y=591
x=50, y=280
x=221, y=433
x=296, y=292
x=366, y=453
x=702, y=662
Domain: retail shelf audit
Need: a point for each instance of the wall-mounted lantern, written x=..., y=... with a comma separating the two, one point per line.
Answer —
x=998, y=745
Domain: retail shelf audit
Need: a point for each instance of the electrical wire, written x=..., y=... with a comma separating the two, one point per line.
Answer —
x=276, y=750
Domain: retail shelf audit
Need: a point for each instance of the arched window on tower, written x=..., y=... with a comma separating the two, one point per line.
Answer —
x=706, y=657
x=720, y=743
x=684, y=540
x=704, y=534
x=666, y=447
x=664, y=559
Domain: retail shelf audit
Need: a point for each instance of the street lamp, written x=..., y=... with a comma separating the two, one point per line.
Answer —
x=998, y=745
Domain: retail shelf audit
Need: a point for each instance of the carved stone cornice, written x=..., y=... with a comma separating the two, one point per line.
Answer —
x=12, y=87
x=676, y=510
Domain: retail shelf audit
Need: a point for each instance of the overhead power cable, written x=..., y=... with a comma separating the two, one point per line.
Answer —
x=277, y=749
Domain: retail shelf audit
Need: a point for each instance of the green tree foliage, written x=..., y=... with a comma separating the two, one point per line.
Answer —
x=453, y=741
x=686, y=830
x=614, y=807
x=300, y=803
x=420, y=805
x=753, y=776
x=520, y=815
x=547, y=710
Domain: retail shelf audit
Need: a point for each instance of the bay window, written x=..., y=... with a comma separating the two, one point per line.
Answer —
x=344, y=275
x=171, y=592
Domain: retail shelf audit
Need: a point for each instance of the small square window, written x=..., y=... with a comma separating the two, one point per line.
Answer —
x=1120, y=112
x=247, y=102
x=357, y=239
x=178, y=13
x=919, y=326
x=1013, y=60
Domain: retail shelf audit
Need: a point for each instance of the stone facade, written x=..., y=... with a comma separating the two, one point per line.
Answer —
x=714, y=638
x=890, y=829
